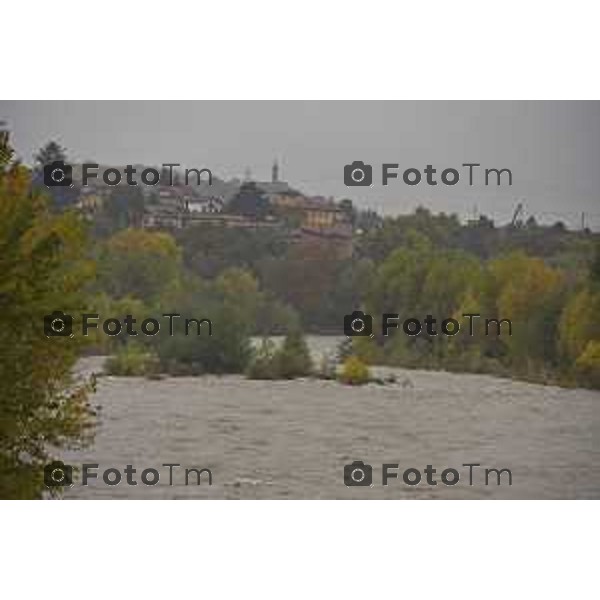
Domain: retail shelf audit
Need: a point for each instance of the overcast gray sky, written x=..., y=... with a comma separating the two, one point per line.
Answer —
x=552, y=148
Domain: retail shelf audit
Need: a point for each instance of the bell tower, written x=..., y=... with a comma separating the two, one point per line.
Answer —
x=275, y=172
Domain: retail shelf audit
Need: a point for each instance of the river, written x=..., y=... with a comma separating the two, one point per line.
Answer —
x=292, y=439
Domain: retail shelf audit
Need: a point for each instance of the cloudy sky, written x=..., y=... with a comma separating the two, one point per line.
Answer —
x=552, y=148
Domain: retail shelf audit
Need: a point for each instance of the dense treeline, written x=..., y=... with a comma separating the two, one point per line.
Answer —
x=545, y=280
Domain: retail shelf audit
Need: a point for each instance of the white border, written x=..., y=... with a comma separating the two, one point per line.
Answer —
x=267, y=549
x=314, y=49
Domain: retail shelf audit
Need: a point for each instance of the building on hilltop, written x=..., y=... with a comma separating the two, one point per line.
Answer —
x=205, y=204
x=310, y=221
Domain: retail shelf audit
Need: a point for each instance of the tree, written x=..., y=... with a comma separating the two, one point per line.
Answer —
x=48, y=154
x=62, y=196
x=240, y=293
x=227, y=350
x=42, y=409
x=579, y=324
x=531, y=295
x=210, y=249
x=6, y=151
x=399, y=279
x=588, y=365
x=293, y=358
x=290, y=361
x=140, y=263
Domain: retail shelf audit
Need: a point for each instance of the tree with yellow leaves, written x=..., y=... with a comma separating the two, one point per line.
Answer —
x=42, y=269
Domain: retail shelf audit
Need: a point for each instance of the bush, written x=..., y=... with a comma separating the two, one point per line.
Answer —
x=226, y=350
x=354, y=372
x=327, y=367
x=588, y=365
x=131, y=360
x=263, y=363
x=290, y=361
x=293, y=359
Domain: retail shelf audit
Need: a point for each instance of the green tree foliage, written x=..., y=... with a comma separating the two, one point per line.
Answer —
x=354, y=371
x=551, y=325
x=478, y=237
x=290, y=361
x=105, y=306
x=263, y=364
x=399, y=279
x=316, y=284
x=579, y=323
x=131, y=360
x=240, y=292
x=227, y=350
x=42, y=269
x=530, y=294
x=209, y=249
x=139, y=263
x=587, y=365
x=293, y=359
x=579, y=335
x=441, y=230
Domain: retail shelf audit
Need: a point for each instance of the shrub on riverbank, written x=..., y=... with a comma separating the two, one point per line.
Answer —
x=327, y=368
x=290, y=361
x=588, y=365
x=354, y=372
x=293, y=359
x=227, y=350
x=131, y=360
x=262, y=365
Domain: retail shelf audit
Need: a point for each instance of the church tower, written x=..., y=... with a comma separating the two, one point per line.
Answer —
x=275, y=172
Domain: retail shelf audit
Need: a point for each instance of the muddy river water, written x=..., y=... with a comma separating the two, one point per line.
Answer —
x=292, y=439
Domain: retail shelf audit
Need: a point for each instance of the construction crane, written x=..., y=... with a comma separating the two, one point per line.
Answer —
x=516, y=214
